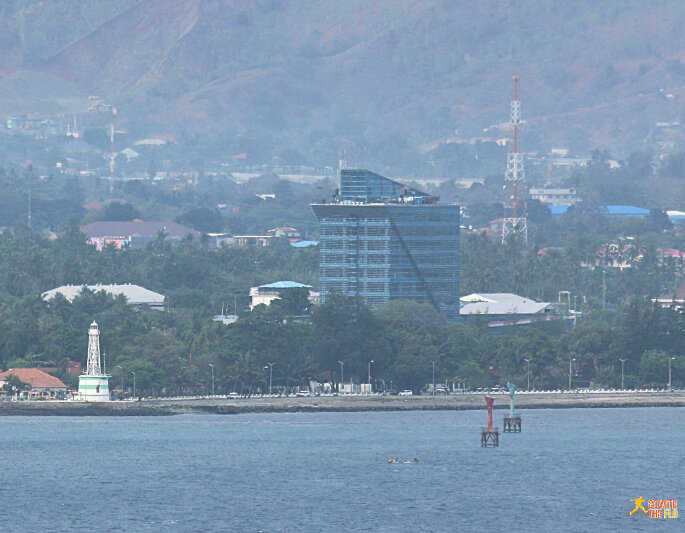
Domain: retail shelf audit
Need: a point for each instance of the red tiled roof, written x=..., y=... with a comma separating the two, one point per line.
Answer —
x=93, y=205
x=34, y=377
x=672, y=252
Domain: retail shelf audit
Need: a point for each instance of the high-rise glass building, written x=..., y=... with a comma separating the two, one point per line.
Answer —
x=384, y=241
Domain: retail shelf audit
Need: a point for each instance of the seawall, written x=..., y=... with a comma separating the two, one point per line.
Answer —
x=166, y=407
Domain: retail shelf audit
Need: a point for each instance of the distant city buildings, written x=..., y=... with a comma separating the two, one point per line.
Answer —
x=383, y=241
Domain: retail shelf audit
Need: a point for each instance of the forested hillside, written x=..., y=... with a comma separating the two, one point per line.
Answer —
x=327, y=75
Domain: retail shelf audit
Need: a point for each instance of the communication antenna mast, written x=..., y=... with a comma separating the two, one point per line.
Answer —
x=111, y=155
x=515, y=179
x=342, y=162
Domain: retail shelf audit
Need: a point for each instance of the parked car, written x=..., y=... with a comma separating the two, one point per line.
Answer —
x=233, y=395
x=303, y=393
x=406, y=392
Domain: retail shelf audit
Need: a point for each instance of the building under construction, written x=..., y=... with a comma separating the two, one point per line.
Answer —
x=380, y=240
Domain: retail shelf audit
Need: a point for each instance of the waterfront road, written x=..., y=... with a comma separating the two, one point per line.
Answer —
x=229, y=405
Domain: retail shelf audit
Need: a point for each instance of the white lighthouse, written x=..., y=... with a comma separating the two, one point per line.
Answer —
x=93, y=386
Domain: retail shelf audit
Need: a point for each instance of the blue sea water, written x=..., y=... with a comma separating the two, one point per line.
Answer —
x=569, y=470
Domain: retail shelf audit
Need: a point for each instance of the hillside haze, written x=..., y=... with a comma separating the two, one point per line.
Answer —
x=593, y=74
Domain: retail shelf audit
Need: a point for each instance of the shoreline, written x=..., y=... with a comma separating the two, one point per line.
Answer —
x=233, y=406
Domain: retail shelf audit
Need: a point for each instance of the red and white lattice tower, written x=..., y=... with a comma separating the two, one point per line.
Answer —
x=515, y=179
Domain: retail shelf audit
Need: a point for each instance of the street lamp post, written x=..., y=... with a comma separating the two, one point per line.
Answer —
x=570, y=373
x=669, y=371
x=433, y=363
x=122, y=380
x=342, y=380
x=210, y=364
x=270, y=366
x=134, y=383
x=622, y=363
x=370, y=371
x=528, y=372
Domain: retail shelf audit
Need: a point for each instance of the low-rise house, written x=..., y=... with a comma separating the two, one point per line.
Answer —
x=43, y=385
x=674, y=299
x=265, y=294
x=217, y=240
x=134, y=294
x=290, y=233
x=135, y=234
x=555, y=196
x=622, y=254
x=252, y=240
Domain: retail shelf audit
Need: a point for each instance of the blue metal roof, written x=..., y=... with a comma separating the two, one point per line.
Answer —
x=558, y=209
x=284, y=285
x=626, y=210
x=613, y=210
x=304, y=244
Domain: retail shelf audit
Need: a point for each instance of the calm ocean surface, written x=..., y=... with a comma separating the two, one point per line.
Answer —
x=570, y=470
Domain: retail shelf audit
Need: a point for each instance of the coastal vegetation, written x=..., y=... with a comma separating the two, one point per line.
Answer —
x=171, y=351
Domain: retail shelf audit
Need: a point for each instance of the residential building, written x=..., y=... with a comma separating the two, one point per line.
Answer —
x=217, y=240
x=135, y=234
x=265, y=294
x=252, y=240
x=134, y=294
x=290, y=233
x=555, y=196
x=383, y=241
x=622, y=254
x=674, y=299
x=43, y=385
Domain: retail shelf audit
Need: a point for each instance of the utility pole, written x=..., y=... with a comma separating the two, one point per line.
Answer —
x=210, y=364
x=528, y=372
x=111, y=154
x=342, y=380
x=622, y=363
x=604, y=289
x=270, y=366
x=433, y=363
x=570, y=373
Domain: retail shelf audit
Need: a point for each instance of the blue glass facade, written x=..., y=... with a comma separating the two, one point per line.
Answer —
x=387, y=251
x=367, y=187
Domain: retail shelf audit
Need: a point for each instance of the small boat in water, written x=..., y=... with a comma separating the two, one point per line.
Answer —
x=395, y=460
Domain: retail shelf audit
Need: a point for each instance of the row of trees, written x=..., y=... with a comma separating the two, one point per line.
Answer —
x=171, y=356
x=171, y=351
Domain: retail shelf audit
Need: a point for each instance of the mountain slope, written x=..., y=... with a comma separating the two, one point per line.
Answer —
x=592, y=74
